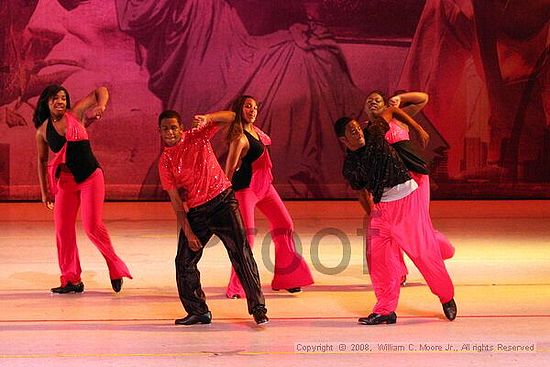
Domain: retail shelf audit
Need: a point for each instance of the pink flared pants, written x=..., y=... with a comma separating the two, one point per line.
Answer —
x=89, y=196
x=291, y=270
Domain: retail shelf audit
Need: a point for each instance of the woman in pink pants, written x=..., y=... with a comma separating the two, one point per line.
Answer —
x=377, y=105
x=74, y=179
x=248, y=166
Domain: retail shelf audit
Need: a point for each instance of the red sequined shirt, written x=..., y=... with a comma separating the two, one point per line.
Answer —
x=192, y=165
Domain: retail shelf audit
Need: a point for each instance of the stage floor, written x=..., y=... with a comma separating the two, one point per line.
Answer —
x=500, y=270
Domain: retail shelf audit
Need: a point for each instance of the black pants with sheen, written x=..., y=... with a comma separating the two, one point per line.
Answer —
x=219, y=216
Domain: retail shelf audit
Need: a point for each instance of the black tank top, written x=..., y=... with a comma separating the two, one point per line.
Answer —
x=412, y=157
x=80, y=158
x=55, y=140
x=243, y=176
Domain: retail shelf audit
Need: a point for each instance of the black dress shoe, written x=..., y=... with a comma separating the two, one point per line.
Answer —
x=260, y=315
x=290, y=290
x=69, y=288
x=294, y=290
x=376, y=319
x=205, y=318
x=116, y=284
x=449, y=309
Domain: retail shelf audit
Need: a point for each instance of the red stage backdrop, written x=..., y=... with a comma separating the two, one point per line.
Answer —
x=484, y=64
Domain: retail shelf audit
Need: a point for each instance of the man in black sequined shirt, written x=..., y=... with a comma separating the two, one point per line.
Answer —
x=399, y=219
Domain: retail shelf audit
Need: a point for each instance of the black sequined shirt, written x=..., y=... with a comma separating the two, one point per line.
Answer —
x=376, y=166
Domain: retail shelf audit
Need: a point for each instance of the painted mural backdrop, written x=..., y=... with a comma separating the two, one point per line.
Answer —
x=483, y=63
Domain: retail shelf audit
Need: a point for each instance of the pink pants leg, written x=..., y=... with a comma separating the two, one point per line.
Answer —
x=89, y=194
x=67, y=201
x=404, y=224
x=403, y=271
x=447, y=249
x=290, y=268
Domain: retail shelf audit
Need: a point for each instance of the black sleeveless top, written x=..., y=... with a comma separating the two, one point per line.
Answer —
x=243, y=176
x=411, y=156
x=79, y=159
x=55, y=140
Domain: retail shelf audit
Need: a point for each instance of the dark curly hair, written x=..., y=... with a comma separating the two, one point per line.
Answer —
x=42, y=110
x=236, y=127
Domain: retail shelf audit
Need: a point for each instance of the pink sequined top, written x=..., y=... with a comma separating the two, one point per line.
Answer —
x=192, y=165
x=396, y=132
